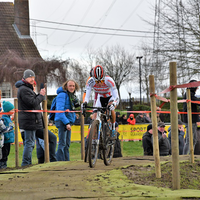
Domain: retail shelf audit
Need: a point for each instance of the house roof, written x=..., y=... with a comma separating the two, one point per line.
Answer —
x=9, y=38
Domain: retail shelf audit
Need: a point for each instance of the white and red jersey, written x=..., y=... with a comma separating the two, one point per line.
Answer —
x=107, y=89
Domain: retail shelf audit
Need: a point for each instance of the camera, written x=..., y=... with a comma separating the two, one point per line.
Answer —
x=75, y=102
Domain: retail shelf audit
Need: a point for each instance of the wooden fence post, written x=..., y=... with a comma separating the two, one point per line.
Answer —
x=174, y=128
x=189, y=115
x=155, y=128
x=45, y=131
x=16, y=133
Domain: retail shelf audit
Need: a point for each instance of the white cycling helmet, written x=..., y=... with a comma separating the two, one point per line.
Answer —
x=98, y=73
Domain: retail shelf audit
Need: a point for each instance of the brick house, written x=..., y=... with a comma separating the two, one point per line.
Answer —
x=15, y=36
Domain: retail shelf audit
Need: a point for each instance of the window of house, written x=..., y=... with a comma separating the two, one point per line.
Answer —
x=6, y=90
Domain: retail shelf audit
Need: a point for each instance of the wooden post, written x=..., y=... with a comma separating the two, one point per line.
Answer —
x=16, y=133
x=155, y=129
x=82, y=138
x=46, y=135
x=174, y=129
x=189, y=115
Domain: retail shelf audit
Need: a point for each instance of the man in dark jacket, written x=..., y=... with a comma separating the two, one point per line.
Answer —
x=29, y=121
x=195, y=118
x=164, y=145
x=147, y=141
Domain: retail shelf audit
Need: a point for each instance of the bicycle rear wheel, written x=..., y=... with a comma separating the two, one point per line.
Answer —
x=108, y=150
x=93, y=144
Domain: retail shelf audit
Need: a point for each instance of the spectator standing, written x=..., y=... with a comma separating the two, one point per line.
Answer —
x=39, y=136
x=181, y=134
x=131, y=120
x=9, y=136
x=195, y=118
x=29, y=121
x=123, y=119
x=65, y=99
x=164, y=145
x=147, y=141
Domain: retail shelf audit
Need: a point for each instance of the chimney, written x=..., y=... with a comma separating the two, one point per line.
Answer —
x=21, y=12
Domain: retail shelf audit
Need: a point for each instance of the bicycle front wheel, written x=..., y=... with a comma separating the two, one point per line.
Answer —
x=93, y=143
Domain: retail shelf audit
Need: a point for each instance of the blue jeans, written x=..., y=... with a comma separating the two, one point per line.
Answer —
x=62, y=153
x=29, y=136
x=187, y=143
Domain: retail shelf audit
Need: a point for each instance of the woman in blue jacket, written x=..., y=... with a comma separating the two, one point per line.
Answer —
x=65, y=99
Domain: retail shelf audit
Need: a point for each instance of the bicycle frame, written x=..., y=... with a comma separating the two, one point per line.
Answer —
x=99, y=138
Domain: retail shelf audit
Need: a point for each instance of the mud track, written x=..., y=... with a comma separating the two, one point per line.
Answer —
x=76, y=180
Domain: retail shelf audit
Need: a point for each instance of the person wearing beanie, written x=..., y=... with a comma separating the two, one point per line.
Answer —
x=29, y=121
x=28, y=73
x=147, y=141
x=195, y=117
x=131, y=120
x=164, y=146
x=9, y=136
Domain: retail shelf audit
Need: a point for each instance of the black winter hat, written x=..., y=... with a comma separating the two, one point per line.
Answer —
x=193, y=88
x=149, y=127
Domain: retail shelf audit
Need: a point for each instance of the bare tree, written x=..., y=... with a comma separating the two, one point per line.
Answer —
x=79, y=73
x=118, y=63
x=178, y=28
x=12, y=66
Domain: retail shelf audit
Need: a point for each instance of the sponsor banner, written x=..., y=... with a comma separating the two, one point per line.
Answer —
x=127, y=132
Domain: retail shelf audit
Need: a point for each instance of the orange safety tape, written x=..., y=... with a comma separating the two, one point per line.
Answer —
x=7, y=113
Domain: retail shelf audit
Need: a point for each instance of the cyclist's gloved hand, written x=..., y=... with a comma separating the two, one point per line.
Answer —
x=112, y=106
x=83, y=105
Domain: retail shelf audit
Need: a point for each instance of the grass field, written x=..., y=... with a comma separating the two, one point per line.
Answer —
x=128, y=149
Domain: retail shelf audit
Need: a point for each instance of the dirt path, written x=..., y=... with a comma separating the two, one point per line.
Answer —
x=75, y=180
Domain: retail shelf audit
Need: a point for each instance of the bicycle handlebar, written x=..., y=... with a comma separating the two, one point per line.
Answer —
x=92, y=107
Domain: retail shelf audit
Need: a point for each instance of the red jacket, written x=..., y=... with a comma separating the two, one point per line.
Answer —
x=131, y=121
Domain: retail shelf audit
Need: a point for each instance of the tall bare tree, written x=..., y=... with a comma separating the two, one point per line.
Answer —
x=178, y=28
x=12, y=66
x=79, y=73
x=118, y=63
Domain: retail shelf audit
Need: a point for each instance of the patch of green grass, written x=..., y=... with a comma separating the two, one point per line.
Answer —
x=129, y=149
x=132, y=148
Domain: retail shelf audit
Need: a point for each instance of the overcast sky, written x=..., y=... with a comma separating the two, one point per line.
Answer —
x=67, y=28
x=74, y=28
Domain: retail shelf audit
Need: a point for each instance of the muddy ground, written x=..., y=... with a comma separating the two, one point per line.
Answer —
x=75, y=180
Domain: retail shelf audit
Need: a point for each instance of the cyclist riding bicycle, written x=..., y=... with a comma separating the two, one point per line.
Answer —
x=107, y=94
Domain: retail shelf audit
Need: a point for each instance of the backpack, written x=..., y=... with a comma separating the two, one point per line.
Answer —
x=53, y=107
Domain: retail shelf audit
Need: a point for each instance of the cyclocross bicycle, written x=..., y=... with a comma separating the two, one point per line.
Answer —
x=99, y=142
